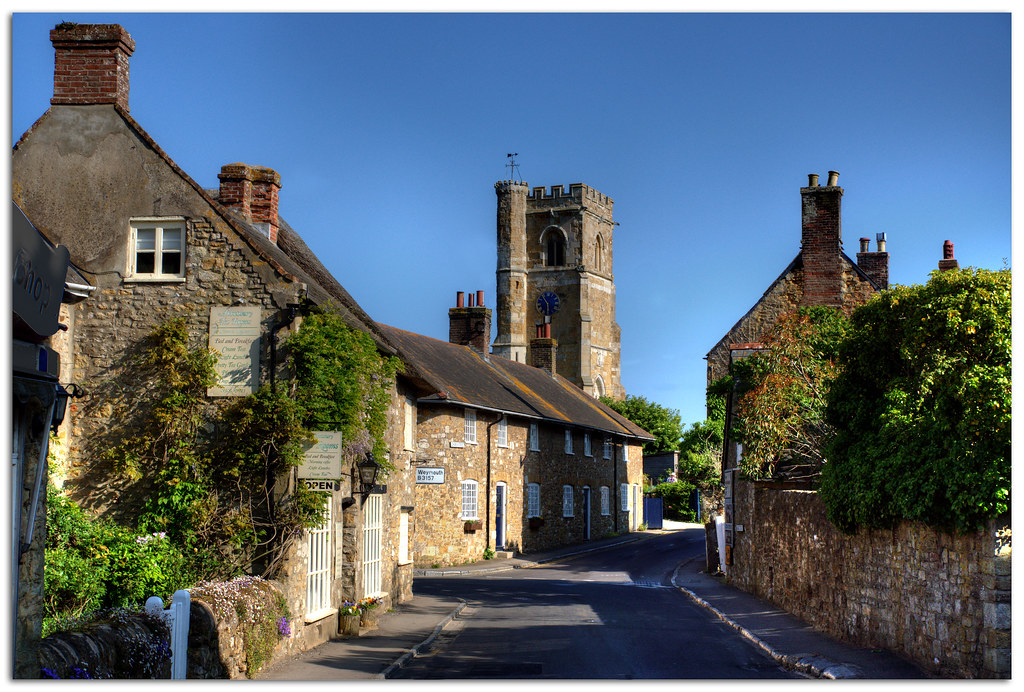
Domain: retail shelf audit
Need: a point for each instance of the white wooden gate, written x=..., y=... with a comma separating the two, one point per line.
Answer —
x=177, y=619
x=372, y=545
x=318, y=571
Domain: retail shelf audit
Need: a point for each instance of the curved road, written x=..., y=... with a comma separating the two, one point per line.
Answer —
x=609, y=614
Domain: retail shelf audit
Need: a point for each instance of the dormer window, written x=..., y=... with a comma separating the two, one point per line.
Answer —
x=157, y=249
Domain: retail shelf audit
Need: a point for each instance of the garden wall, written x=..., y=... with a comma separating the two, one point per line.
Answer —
x=940, y=599
x=215, y=649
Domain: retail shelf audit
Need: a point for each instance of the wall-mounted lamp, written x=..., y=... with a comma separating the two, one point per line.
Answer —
x=60, y=407
x=368, y=470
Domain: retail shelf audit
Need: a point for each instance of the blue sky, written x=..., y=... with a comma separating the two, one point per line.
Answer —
x=389, y=132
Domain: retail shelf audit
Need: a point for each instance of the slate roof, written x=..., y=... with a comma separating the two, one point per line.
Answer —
x=464, y=377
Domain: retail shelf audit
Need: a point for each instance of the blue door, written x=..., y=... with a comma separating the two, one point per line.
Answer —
x=499, y=516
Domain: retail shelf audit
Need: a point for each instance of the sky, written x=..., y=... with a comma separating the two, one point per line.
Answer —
x=390, y=130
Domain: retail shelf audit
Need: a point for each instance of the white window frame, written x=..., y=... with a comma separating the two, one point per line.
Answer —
x=532, y=500
x=625, y=451
x=607, y=448
x=158, y=225
x=470, y=500
x=534, y=437
x=318, y=569
x=567, y=505
x=586, y=445
x=605, y=501
x=469, y=429
x=410, y=424
x=624, y=497
x=503, y=432
x=568, y=441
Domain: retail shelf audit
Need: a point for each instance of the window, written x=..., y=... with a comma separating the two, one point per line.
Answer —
x=318, y=569
x=157, y=249
x=503, y=432
x=470, y=436
x=410, y=423
x=586, y=445
x=403, y=537
x=598, y=387
x=607, y=448
x=605, y=501
x=568, y=441
x=625, y=451
x=624, y=497
x=533, y=500
x=469, y=505
x=534, y=437
x=567, y=501
x=598, y=251
x=555, y=248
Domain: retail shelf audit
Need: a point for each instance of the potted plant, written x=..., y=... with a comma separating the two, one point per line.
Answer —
x=472, y=526
x=368, y=611
x=536, y=523
x=350, y=614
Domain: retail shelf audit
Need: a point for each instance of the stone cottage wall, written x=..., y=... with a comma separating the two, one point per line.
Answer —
x=441, y=538
x=943, y=600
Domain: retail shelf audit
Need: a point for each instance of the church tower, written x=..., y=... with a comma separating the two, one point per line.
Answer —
x=555, y=268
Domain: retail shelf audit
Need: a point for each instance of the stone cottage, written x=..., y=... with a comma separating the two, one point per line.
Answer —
x=509, y=456
x=153, y=245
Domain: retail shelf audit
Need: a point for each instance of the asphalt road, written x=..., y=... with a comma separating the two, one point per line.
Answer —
x=610, y=614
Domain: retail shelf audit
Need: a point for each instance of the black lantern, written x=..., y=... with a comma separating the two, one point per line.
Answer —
x=368, y=469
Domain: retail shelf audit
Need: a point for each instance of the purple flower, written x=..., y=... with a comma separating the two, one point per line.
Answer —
x=283, y=628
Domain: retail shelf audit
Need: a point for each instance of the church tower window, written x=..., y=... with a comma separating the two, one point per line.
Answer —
x=555, y=256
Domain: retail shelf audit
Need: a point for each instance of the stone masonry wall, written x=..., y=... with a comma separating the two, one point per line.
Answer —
x=440, y=536
x=942, y=600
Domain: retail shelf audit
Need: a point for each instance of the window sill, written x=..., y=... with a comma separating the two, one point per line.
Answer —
x=319, y=615
x=402, y=563
x=154, y=280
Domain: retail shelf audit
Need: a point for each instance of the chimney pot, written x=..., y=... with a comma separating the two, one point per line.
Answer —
x=880, y=239
x=833, y=178
x=812, y=180
x=460, y=299
x=480, y=298
x=865, y=244
x=947, y=250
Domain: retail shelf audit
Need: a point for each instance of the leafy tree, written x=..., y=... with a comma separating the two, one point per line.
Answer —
x=781, y=409
x=664, y=423
x=922, y=406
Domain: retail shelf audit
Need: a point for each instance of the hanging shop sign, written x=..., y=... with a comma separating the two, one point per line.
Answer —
x=39, y=272
x=322, y=458
x=235, y=336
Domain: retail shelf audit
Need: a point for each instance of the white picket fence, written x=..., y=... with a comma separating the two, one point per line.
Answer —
x=176, y=617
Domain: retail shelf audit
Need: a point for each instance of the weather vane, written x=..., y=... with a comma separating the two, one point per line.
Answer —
x=514, y=166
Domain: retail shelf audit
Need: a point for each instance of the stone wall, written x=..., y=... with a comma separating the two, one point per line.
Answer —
x=440, y=535
x=942, y=600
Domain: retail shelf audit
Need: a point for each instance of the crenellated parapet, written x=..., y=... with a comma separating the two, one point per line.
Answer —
x=511, y=186
x=578, y=194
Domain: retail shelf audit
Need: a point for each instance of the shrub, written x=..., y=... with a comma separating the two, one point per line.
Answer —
x=676, y=499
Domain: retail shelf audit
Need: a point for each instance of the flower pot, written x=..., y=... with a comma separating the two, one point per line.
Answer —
x=472, y=526
x=536, y=523
x=368, y=620
x=350, y=625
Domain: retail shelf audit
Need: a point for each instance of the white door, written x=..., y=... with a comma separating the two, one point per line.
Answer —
x=371, y=545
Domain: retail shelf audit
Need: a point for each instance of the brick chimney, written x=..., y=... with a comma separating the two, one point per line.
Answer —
x=948, y=261
x=252, y=192
x=470, y=325
x=91, y=64
x=543, y=349
x=875, y=264
x=821, y=241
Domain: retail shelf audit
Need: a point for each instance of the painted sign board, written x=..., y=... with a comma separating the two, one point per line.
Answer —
x=39, y=272
x=322, y=458
x=429, y=476
x=316, y=484
x=235, y=335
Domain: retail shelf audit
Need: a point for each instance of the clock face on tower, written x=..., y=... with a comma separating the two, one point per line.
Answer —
x=547, y=303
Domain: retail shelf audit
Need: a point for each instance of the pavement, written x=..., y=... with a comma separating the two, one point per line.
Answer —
x=412, y=626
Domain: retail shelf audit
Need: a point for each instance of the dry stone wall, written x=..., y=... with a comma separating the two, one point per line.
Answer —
x=942, y=600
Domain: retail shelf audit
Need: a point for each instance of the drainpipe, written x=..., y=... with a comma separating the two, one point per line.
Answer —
x=293, y=311
x=615, y=487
